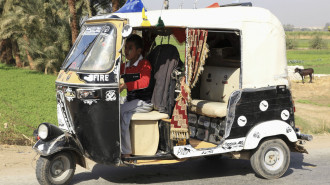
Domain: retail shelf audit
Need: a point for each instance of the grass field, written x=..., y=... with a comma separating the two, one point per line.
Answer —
x=305, y=43
x=173, y=41
x=319, y=60
x=307, y=34
x=27, y=98
x=303, y=38
x=312, y=102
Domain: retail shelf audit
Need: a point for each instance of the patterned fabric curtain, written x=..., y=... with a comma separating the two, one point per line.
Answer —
x=196, y=53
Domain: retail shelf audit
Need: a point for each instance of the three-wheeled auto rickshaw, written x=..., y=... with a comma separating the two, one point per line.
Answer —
x=228, y=94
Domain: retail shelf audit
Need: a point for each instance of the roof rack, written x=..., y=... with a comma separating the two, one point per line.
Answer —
x=237, y=4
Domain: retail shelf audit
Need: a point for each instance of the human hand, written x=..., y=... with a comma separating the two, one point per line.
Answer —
x=122, y=86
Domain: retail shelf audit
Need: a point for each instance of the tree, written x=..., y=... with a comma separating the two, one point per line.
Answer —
x=73, y=19
x=288, y=27
x=6, y=52
x=39, y=32
x=291, y=43
x=327, y=26
x=318, y=43
x=10, y=32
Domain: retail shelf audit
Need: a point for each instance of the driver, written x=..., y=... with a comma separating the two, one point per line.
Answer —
x=136, y=74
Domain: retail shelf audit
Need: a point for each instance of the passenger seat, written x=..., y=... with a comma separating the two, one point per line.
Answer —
x=217, y=84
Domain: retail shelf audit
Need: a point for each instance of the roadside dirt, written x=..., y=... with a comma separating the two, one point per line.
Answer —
x=312, y=101
x=18, y=161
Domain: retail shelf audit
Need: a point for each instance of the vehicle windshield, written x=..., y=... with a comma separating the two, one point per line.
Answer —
x=94, y=49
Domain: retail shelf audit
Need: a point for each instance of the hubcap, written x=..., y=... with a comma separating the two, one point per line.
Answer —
x=274, y=158
x=57, y=168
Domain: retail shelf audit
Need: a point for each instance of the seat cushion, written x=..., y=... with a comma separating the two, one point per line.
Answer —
x=153, y=115
x=209, y=108
x=217, y=83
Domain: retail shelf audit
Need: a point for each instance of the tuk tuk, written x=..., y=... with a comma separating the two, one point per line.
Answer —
x=229, y=97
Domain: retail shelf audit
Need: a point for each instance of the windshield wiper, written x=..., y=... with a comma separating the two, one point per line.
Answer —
x=88, y=47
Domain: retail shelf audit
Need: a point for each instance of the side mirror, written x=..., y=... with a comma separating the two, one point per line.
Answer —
x=127, y=31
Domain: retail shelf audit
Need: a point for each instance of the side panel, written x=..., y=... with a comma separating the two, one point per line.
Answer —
x=95, y=121
x=229, y=145
x=256, y=106
x=266, y=129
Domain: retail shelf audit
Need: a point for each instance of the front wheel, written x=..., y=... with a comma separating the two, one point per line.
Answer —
x=272, y=158
x=56, y=169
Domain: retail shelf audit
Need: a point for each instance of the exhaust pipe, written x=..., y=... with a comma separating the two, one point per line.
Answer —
x=306, y=137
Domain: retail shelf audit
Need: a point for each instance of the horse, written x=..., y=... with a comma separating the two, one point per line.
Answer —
x=305, y=72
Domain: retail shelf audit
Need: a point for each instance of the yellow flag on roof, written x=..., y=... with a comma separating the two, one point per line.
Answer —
x=145, y=21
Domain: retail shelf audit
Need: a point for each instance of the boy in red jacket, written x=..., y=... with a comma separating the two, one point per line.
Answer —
x=136, y=74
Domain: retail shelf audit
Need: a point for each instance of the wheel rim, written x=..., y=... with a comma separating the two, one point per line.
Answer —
x=274, y=158
x=59, y=168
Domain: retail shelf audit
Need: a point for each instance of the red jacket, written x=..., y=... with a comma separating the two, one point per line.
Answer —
x=144, y=68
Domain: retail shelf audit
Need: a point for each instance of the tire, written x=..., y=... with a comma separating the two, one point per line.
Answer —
x=56, y=169
x=271, y=160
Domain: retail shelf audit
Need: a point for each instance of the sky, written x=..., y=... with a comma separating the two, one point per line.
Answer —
x=300, y=13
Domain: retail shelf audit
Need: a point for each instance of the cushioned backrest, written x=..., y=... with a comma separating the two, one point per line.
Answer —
x=164, y=59
x=217, y=83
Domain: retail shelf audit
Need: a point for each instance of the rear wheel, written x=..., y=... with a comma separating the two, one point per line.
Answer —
x=272, y=158
x=56, y=169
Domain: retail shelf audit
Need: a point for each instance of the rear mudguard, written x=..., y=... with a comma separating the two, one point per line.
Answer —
x=268, y=129
x=64, y=142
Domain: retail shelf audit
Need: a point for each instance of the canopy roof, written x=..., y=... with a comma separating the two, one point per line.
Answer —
x=263, y=51
x=131, y=6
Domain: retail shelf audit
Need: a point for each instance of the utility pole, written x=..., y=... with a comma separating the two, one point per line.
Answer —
x=181, y=4
x=166, y=4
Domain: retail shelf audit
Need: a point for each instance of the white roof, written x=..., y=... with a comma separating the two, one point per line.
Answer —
x=263, y=48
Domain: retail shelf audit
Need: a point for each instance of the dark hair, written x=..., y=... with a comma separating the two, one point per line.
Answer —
x=136, y=39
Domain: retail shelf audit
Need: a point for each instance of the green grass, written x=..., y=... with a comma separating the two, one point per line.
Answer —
x=305, y=43
x=173, y=41
x=307, y=128
x=319, y=60
x=313, y=103
x=303, y=125
x=307, y=33
x=303, y=38
x=27, y=98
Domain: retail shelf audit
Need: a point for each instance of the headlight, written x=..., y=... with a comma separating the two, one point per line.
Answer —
x=47, y=131
x=43, y=131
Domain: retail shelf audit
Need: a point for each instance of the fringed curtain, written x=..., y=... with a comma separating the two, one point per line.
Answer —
x=196, y=53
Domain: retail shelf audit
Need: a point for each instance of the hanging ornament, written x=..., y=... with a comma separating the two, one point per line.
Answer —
x=145, y=21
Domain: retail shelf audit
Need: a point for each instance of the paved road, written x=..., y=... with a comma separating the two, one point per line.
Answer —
x=313, y=168
x=304, y=169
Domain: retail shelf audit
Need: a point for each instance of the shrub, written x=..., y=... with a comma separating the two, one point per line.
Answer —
x=318, y=43
x=291, y=43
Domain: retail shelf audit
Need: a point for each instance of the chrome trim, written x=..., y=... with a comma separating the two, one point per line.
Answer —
x=89, y=85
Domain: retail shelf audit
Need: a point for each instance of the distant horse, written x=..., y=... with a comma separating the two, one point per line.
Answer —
x=305, y=72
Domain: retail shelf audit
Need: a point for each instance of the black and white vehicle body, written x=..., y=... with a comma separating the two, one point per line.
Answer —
x=241, y=105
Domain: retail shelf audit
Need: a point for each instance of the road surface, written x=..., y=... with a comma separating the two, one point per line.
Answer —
x=17, y=166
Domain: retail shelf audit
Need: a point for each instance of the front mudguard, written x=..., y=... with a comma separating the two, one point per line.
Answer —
x=64, y=142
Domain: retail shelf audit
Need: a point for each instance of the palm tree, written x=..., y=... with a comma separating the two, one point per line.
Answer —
x=10, y=32
x=73, y=19
x=115, y=5
x=39, y=31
